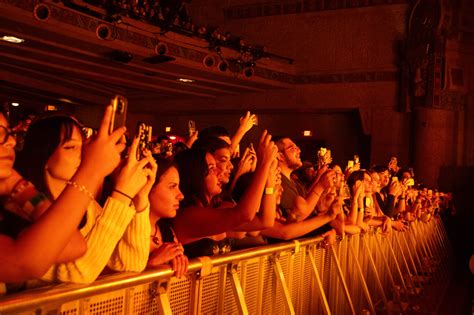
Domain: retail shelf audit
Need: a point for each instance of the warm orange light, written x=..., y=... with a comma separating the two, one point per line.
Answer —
x=168, y=129
x=307, y=133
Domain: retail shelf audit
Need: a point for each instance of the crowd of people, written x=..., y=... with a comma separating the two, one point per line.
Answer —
x=75, y=207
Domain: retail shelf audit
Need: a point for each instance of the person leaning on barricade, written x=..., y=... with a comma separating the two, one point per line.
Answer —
x=117, y=234
x=27, y=252
x=202, y=225
x=165, y=197
x=297, y=203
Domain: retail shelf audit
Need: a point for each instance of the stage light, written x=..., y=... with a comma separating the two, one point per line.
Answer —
x=209, y=61
x=41, y=12
x=173, y=137
x=307, y=133
x=15, y=104
x=248, y=72
x=167, y=129
x=222, y=66
x=161, y=48
x=103, y=31
x=12, y=39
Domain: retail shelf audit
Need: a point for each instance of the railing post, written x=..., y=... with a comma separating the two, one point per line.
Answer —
x=281, y=279
x=237, y=289
x=374, y=269
x=322, y=295
x=341, y=278
x=362, y=279
x=160, y=289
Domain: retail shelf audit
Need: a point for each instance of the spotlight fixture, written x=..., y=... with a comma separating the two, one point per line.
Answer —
x=12, y=39
x=248, y=72
x=15, y=104
x=222, y=66
x=209, y=61
x=41, y=12
x=103, y=31
x=161, y=48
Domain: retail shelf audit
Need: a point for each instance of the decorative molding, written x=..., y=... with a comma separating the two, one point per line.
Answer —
x=299, y=6
x=90, y=24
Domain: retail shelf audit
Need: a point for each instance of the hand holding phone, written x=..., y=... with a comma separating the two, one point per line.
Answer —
x=119, y=112
x=144, y=133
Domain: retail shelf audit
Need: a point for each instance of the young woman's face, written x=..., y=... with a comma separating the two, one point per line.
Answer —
x=213, y=185
x=7, y=152
x=375, y=182
x=65, y=160
x=367, y=183
x=165, y=195
x=224, y=164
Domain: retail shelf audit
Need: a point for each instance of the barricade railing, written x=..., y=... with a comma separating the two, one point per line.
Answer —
x=362, y=274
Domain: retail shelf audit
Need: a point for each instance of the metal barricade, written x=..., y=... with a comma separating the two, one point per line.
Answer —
x=362, y=274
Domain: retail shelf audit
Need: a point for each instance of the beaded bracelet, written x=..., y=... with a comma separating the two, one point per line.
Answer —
x=81, y=188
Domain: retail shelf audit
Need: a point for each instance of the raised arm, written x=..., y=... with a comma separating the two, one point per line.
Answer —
x=37, y=248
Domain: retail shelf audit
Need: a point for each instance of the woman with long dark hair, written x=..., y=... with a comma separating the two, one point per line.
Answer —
x=117, y=233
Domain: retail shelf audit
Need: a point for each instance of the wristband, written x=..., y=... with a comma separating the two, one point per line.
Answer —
x=269, y=190
x=125, y=195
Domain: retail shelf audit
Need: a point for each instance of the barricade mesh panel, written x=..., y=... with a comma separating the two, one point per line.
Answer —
x=180, y=295
x=297, y=274
x=210, y=293
x=269, y=285
x=143, y=301
x=71, y=308
x=111, y=303
x=251, y=291
x=230, y=301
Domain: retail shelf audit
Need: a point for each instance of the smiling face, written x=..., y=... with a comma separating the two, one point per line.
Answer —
x=7, y=152
x=211, y=181
x=65, y=160
x=289, y=154
x=165, y=195
x=224, y=164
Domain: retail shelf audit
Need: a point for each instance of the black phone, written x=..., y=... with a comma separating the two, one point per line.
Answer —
x=119, y=115
x=144, y=133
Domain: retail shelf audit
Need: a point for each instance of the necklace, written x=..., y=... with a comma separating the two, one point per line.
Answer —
x=155, y=238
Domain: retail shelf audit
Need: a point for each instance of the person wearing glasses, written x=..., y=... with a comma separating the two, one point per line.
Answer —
x=296, y=203
x=28, y=253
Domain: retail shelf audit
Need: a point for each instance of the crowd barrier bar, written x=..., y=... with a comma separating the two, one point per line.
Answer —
x=362, y=274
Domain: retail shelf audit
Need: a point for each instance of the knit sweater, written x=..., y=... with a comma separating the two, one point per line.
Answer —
x=116, y=237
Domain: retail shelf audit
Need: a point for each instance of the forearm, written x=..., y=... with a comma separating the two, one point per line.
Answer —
x=101, y=242
x=76, y=247
x=132, y=251
x=296, y=229
x=264, y=219
x=250, y=201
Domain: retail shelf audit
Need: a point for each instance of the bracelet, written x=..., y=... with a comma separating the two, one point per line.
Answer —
x=269, y=190
x=125, y=195
x=81, y=188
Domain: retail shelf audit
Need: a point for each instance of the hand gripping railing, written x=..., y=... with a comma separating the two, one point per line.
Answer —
x=361, y=274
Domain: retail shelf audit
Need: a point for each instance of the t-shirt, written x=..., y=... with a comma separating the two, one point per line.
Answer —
x=290, y=191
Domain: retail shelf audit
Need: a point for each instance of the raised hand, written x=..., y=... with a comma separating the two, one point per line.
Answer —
x=267, y=150
x=134, y=174
x=141, y=199
x=101, y=155
x=247, y=121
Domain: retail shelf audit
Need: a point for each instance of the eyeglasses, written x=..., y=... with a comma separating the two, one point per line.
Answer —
x=5, y=133
x=293, y=147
